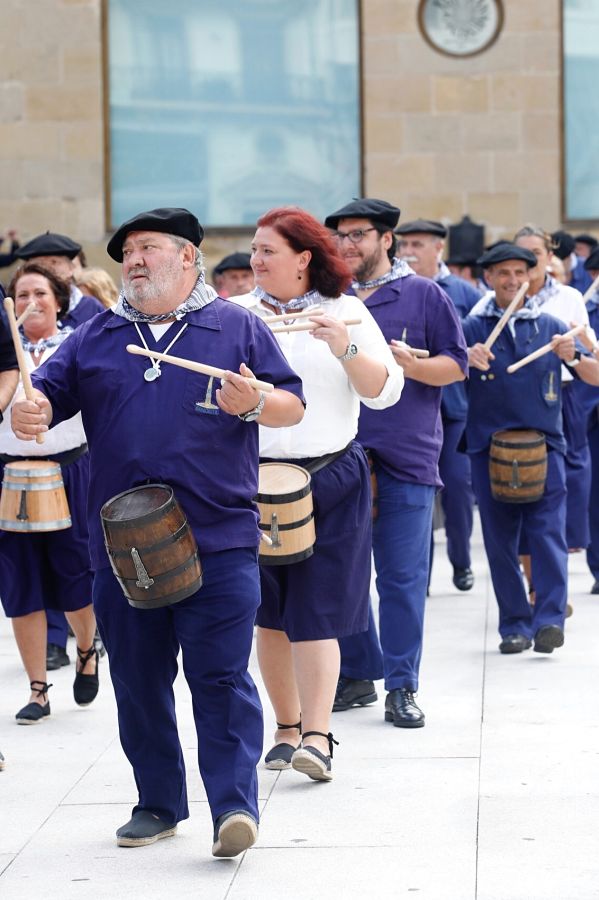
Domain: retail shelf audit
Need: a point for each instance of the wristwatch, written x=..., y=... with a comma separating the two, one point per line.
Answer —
x=574, y=362
x=252, y=414
x=351, y=351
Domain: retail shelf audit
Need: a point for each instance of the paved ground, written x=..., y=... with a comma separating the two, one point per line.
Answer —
x=497, y=798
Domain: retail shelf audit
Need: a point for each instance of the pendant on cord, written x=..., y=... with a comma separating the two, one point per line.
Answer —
x=152, y=373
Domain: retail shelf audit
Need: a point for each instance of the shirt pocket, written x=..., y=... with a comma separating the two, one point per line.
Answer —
x=199, y=396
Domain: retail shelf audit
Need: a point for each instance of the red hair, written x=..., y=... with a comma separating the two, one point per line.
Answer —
x=329, y=274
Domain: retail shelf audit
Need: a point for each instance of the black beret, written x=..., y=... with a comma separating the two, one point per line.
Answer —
x=49, y=244
x=592, y=260
x=233, y=261
x=168, y=220
x=378, y=211
x=586, y=239
x=503, y=251
x=422, y=226
x=563, y=244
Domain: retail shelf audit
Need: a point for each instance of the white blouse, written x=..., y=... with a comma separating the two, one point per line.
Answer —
x=66, y=436
x=332, y=404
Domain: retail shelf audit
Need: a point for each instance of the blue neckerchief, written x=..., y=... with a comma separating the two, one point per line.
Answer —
x=44, y=343
x=200, y=296
x=310, y=298
x=399, y=269
x=487, y=306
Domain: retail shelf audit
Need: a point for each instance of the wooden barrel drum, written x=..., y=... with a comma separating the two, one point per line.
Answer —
x=33, y=497
x=286, y=514
x=151, y=547
x=518, y=466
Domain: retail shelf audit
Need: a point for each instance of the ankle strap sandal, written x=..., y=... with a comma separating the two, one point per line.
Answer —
x=297, y=725
x=40, y=688
x=328, y=736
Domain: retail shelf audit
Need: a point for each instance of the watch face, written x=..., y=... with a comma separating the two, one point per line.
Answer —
x=460, y=27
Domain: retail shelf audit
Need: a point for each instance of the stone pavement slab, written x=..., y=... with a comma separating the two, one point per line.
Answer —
x=497, y=798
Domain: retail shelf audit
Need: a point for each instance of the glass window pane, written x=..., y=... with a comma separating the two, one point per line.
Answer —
x=230, y=108
x=581, y=108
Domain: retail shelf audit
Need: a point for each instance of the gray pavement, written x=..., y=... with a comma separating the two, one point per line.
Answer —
x=497, y=798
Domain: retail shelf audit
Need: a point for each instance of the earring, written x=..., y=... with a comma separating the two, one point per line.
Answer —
x=299, y=277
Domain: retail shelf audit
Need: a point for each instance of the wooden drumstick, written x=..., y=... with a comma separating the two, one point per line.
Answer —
x=415, y=351
x=591, y=290
x=309, y=326
x=315, y=311
x=9, y=306
x=195, y=366
x=25, y=313
x=505, y=317
x=546, y=348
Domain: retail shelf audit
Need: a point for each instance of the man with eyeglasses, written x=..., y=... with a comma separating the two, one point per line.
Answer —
x=405, y=442
x=420, y=244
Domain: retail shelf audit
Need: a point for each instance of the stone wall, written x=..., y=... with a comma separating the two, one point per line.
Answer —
x=442, y=136
x=445, y=137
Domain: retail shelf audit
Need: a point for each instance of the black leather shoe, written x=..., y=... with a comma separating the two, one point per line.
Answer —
x=547, y=638
x=143, y=828
x=463, y=579
x=234, y=832
x=402, y=710
x=514, y=643
x=595, y=588
x=352, y=692
x=56, y=657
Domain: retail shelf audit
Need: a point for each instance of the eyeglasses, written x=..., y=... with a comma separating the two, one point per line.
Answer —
x=354, y=236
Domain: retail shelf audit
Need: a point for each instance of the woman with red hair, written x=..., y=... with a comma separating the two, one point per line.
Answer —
x=308, y=605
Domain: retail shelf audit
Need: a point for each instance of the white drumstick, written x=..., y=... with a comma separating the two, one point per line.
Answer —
x=195, y=366
x=9, y=306
x=309, y=326
x=546, y=348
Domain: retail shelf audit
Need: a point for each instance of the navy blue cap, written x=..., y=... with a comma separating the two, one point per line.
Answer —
x=592, y=260
x=422, y=226
x=586, y=239
x=49, y=244
x=504, y=251
x=377, y=211
x=563, y=244
x=233, y=261
x=168, y=220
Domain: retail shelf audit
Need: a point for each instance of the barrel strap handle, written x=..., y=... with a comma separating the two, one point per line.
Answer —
x=22, y=515
x=143, y=579
x=274, y=530
x=516, y=483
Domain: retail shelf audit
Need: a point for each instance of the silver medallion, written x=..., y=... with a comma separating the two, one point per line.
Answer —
x=152, y=373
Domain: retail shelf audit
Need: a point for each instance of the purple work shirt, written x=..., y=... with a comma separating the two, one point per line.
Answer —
x=169, y=430
x=86, y=308
x=406, y=438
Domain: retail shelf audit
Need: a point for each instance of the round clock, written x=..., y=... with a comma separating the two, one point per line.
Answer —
x=460, y=27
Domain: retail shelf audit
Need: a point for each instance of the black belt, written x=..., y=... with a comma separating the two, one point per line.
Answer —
x=64, y=458
x=315, y=463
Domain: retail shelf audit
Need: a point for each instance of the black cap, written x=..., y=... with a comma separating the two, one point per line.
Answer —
x=466, y=242
x=378, y=211
x=168, y=220
x=49, y=244
x=504, y=251
x=586, y=239
x=233, y=261
x=422, y=226
x=592, y=260
x=563, y=244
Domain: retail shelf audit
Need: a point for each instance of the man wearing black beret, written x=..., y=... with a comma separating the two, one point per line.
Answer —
x=530, y=398
x=233, y=275
x=149, y=422
x=565, y=249
x=404, y=442
x=57, y=252
x=420, y=244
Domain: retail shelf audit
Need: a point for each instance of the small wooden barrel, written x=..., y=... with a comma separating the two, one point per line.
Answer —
x=151, y=547
x=518, y=466
x=33, y=497
x=286, y=514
